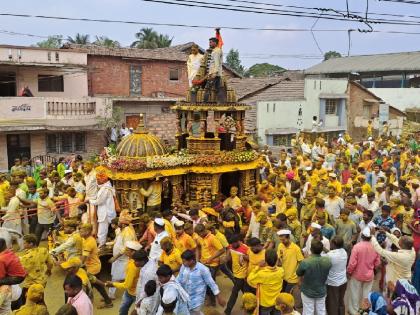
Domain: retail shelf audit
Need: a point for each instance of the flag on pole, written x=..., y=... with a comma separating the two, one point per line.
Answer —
x=219, y=37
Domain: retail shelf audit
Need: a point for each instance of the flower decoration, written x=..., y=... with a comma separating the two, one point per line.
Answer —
x=180, y=159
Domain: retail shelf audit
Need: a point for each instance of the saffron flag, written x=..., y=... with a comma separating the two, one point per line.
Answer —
x=219, y=37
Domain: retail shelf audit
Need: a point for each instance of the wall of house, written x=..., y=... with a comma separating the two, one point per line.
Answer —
x=357, y=122
x=95, y=141
x=75, y=80
x=158, y=117
x=111, y=76
x=399, y=98
x=24, y=55
x=283, y=115
x=360, y=123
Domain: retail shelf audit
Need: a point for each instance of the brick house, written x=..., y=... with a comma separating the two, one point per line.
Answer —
x=147, y=81
x=59, y=118
x=364, y=106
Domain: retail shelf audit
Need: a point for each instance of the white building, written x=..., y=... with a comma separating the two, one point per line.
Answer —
x=394, y=77
x=59, y=118
x=290, y=106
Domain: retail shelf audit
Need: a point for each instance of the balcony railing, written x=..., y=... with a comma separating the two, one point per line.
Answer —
x=67, y=108
x=50, y=111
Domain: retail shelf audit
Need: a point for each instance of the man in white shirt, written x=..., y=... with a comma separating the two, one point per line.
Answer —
x=333, y=203
x=315, y=234
x=400, y=262
x=147, y=272
x=372, y=204
x=124, y=131
x=193, y=63
x=155, y=249
x=361, y=198
x=337, y=277
x=114, y=134
x=105, y=203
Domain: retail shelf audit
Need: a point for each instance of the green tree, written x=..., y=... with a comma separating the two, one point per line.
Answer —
x=106, y=42
x=147, y=38
x=81, y=39
x=264, y=70
x=331, y=54
x=234, y=62
x=51, y=42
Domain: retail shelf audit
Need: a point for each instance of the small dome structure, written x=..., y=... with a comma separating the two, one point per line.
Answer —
x=140, y=144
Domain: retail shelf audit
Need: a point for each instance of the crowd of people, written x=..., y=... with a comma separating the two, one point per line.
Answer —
x=333, y=228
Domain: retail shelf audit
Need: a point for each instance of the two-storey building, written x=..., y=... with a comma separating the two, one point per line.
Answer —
x=45, y=108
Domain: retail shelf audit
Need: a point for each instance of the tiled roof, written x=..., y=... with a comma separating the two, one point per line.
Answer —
x=167, y=53
x=249, y=86
x=405, y=61
x=268, y=89
x=174, y=53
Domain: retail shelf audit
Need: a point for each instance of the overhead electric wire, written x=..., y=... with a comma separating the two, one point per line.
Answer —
x=339, y=16
x=317, y=8
x=101, y=20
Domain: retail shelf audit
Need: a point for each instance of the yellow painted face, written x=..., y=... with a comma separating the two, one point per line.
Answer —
x=233, y=191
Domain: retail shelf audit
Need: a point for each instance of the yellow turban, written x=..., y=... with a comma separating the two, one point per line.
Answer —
x=35, y=292
x=285, y=299
x=261, y=216
x=249, y=301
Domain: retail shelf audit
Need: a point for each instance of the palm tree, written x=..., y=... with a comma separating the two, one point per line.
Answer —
x=106, y=42
x=147, y=38
x=81, y=39
x=164, y=41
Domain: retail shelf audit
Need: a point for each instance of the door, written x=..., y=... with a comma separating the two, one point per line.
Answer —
x=18, y=146
x=227, y=180
x=132, y=121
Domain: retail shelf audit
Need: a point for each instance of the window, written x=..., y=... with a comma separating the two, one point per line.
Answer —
x=52, y=143
x=173, y=74
x=274, y=107
x=331, y=107
x=268, y=107
x=50, y=83
x=79, y=142
x=66, y=142
x=282, y=140
x=57, y=56
x=366, y=111
x=135, y=80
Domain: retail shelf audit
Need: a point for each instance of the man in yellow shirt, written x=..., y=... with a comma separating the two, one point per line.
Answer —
x=233, y=200
x=268, y=277
x=138, y=258
x=334, y=182
x=290, y=255
x=183, y=241
x=255, y=254
x=209, y=251
x=37, y=263
x=90, y=259
x=237, y=251
x=171, y=256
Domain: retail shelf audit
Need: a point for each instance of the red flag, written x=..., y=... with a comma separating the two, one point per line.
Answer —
x=219, y=37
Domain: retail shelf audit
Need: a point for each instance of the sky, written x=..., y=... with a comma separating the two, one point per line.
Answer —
x=287, y=49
